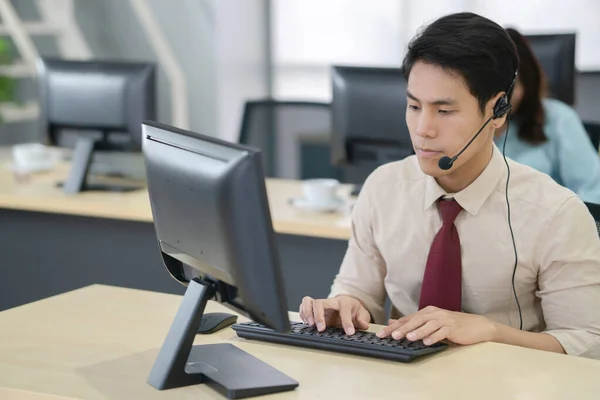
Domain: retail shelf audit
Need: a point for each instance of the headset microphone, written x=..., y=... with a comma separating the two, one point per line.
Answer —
x=501, y=107
x=446, y=162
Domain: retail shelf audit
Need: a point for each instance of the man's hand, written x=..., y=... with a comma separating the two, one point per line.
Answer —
x=433, y=324
x=343, y=311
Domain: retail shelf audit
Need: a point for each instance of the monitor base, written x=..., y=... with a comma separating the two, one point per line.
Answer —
x=228, y=369
x=105, y=187
x=235, y=373
x=77, y=180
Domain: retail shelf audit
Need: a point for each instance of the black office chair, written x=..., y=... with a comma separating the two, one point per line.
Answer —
x=593, y=129
x=294, y=136
x=595, y=211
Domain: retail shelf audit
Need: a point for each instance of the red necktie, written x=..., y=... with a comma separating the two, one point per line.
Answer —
x=443, y=273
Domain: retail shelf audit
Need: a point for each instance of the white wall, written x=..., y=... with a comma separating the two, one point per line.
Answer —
x=220, y=44
x=544, y=16
x=311, y=35
x=240, y=32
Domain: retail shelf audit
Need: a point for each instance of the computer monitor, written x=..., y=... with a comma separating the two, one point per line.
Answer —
x=368, y=119
x=215, y=235
x=556, y=54
x=101, y=103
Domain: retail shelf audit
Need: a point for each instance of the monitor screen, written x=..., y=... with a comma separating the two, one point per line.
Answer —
x=211, y=213
x=107, y=99
x=556, y=54
x=368, y=119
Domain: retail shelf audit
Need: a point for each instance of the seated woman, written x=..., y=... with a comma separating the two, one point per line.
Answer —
x=547, y=134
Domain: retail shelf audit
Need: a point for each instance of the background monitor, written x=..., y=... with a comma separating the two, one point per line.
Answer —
x=556, y=54
x=368, y=119
x=215, y=234
x=94, y=105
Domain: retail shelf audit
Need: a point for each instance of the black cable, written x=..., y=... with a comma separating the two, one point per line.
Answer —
x=512, y=235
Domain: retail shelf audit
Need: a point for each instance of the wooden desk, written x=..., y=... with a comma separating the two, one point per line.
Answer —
x=100, y=342
x=39, y=193
x=16, y=394
x=54, y=242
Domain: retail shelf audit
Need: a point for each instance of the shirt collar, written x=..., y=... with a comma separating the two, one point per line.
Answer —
x=471, y=198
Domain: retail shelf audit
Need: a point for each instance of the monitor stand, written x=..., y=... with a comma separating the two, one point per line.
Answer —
x=80, y=166
x=230, y=370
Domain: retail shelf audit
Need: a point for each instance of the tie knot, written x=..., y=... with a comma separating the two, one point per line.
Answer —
x=450, y=210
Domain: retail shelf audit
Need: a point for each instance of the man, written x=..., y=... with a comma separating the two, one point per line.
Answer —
x=439, y=242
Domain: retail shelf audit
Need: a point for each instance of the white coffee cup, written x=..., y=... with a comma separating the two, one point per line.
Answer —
x=320, y=191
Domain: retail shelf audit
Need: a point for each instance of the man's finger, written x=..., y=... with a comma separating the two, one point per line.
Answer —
x=437, y=336
x=425, y=330
x=361, y=324
x=346, y=319
x=362, y=318
x=416, y=322
x=396, y=323
x=301, y=312
x=319, y=314
x=306, y=311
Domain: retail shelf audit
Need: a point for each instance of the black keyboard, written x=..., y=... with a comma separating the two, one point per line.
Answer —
x=335, y=339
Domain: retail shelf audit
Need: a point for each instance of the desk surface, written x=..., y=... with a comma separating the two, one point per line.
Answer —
x=38, y=192
x=16, y=394
x=100, y=342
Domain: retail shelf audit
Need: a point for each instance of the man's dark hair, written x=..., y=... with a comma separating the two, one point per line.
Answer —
x=476, y=48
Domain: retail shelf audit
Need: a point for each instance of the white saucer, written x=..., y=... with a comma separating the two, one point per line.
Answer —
x=303, y=204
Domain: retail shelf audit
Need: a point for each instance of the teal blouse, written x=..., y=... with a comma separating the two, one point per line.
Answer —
x=567, y=156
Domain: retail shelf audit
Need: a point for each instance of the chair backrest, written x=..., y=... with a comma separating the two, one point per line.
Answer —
x=593, y=129
x=282, y=129
x=595, y=211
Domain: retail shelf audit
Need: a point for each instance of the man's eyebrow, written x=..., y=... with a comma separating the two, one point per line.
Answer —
x=411, y=96
x=438, y=102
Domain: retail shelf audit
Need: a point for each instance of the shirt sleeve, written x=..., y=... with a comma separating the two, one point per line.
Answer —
x=363, y=269
x=569, y=279
x=578, y=161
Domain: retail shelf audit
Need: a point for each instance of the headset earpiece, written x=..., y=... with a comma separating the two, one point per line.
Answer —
x=501, y=107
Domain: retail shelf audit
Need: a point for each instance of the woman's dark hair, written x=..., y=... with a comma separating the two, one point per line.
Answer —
x=530, y=113
x=471, y=46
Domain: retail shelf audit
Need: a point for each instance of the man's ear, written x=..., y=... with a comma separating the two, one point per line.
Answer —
x=498, y=122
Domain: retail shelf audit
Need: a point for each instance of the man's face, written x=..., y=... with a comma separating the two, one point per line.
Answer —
x=442, y=116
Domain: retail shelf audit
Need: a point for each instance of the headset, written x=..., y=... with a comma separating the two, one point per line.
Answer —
x=501, y=108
